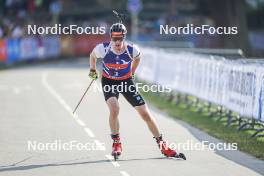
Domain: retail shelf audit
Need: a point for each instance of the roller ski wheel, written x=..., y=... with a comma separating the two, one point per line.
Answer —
x=168, y=152
x=115, y=155
x=181, y=156
x=178, y=156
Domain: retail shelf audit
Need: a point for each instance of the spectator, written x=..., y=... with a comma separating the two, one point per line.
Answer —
x=1, y=32
x=17, y=32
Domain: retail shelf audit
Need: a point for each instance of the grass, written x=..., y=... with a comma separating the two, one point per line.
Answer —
x=210, y=125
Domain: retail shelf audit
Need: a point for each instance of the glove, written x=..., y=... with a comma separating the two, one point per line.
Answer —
x=93, y=74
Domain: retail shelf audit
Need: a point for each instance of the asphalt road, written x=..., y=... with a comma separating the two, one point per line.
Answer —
x=35, y=108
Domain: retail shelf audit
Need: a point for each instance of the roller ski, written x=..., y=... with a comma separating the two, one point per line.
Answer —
x=166, y=151
x=116, y=147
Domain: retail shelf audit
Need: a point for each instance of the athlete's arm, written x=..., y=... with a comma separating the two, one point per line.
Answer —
x=93, y=61
x=98, y=52
x=136, y=58
x=135, y=64
x=93, y=74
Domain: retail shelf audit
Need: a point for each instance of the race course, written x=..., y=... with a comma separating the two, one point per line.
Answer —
x=36, y=105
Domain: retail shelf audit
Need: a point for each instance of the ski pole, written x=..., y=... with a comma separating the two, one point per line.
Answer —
x=83, y=96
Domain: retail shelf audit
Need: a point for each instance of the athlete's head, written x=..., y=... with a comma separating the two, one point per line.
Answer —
x=118, y=34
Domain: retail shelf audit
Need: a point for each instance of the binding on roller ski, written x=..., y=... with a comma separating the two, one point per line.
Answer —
x=120, y=61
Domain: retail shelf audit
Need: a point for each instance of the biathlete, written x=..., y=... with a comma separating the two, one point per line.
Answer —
x=120, y=61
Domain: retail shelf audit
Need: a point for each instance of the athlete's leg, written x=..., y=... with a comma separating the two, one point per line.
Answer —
x=137, y=101
x=147, y=117
x=113, y=106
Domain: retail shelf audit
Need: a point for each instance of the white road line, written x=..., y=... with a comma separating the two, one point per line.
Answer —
x=55, y=94
x=89, y=132
x=68, y=109
x=80, y=122
x=115, y=163
x=124, y=173
x=64, y=104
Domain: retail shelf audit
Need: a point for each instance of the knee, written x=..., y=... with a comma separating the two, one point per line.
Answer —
x=114, y=111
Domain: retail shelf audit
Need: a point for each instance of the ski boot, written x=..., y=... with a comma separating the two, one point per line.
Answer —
x=116, y=147
x=165, y=150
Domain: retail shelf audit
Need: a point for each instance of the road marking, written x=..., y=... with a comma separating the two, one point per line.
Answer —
x=124, y=173
x=56, y=95
x=115, y=163
x=64, y=104
x=89, y=132
x=80, y=122
x=68, y=109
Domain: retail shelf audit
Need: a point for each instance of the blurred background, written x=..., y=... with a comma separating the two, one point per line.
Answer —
x=148, y=15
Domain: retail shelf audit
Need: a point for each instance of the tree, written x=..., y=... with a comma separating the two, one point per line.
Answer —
x=232, y=13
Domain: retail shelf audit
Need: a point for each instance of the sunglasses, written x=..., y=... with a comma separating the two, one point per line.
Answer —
x=117, y=38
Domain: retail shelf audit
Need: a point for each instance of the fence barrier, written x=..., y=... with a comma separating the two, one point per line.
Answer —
x=236, y=85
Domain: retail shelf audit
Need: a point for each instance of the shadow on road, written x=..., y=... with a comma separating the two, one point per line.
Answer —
x=36, y=166
x=13, y=167
x=156, y=158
